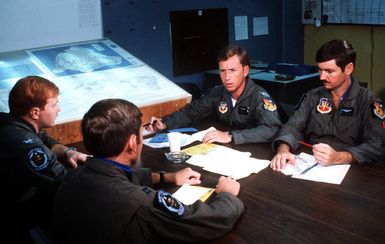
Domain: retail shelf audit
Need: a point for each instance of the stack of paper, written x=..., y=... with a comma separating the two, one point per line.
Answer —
x=225, y=161
x=307, y=168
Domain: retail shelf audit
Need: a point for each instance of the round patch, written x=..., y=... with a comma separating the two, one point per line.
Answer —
x=169, y=204
x=268, y=104
x=324, y=106
x=223, y=107
x=38, y=159
x=378, y=110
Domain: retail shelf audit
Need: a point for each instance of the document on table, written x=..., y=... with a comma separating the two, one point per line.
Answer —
x=303, y=161
x=333, y=174
x=159, y=140
x=188, y=194
x=159, y=143
x=198, y=136
x=306, y=168
x=229, y=162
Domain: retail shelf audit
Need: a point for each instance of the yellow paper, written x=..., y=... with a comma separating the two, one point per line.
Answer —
x=201, y=149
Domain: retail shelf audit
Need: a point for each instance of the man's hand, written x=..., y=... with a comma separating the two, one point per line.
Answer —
x=282, y=157
x=228, y=184
x=217, y=136
x=155, y=124
x=326, y=155
x=75, y=157
x=186, y=175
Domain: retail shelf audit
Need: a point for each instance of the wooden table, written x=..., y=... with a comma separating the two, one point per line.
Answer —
x=281, y=209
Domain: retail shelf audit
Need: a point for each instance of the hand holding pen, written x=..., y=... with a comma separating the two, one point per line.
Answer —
x=155, y=124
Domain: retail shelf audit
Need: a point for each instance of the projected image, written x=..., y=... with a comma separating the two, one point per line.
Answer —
x=82, y=58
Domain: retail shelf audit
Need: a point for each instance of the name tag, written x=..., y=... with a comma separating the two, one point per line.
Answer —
x=347, y=111
x=244, y=110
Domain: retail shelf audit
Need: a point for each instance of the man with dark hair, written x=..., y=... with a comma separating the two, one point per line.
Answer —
x=108, y=201
x=342, y=119
x=30, y=171
x=247, y=110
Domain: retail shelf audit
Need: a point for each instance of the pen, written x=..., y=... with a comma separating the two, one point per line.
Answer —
x=305, y=144
x=308, y=169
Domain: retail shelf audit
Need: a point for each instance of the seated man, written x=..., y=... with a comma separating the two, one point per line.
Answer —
x=342, y=119
x=246, y=108
x=107, y=201
x=30, y=171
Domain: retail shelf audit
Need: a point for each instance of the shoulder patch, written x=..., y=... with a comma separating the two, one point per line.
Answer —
x=378, y=110
x=38, y=159
x=269, y=104
x=168, y=204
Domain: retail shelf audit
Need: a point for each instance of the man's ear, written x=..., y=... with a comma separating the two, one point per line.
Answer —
x=132, y=144
x=349, y=68
x=34, y=113
x=246, y=70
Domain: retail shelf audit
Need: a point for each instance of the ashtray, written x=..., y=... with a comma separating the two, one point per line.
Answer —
x=177, y=157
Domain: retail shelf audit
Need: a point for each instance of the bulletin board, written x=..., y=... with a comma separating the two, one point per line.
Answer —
x=371, y=12
x=363, y=12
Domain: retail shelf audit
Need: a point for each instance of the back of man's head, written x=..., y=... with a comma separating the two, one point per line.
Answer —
x=29, y=92
x=107, y=126
x=340, y=50
x=230, y=51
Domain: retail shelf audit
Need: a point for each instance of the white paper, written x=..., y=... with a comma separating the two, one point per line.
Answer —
x=240, y=26
x=260, y=26
x=333, y=174
x=303, y=161
x=229, y=162
x=198, y=136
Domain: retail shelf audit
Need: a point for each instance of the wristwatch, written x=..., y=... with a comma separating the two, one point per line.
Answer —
x=161, y=176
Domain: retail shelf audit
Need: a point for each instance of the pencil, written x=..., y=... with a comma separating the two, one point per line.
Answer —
x=305, y=144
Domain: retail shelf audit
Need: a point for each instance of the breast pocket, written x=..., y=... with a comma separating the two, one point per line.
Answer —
x=350, y=128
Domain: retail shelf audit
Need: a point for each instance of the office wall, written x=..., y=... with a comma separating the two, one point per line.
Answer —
x=368, y=42
x=142, y=28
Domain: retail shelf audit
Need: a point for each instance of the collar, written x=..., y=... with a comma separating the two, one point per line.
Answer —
x=23, y=122
x=123, y=167
x=346, y=93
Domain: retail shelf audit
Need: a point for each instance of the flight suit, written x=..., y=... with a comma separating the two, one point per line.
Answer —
x=356, y=126
x=104, y=203
x=254, y=118
x=30, y=175
x=26, y=158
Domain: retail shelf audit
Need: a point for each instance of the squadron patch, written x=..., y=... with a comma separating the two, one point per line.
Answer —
x=324, y=106
x=269, y=104
x=168, y=204
x=38, y=159
x=223, y=107
x=378, y=110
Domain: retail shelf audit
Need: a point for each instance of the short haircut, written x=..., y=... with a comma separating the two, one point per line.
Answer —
x=230, y=51
x=107, y=126
x=29, y=92
x=340, y=50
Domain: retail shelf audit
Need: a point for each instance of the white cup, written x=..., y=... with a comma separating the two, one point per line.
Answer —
x=174, y=139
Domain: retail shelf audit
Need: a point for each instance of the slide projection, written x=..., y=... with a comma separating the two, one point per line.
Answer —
x=28, y=24
x=86, y=73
